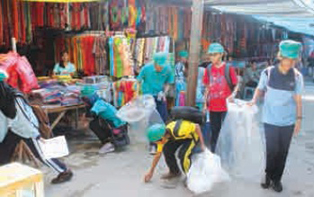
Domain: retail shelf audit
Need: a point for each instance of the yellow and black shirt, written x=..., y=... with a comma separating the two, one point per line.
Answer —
x=186, y=130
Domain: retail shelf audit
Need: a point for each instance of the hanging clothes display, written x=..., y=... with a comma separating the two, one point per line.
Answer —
x=121, y=59
x=124, y=91
x=87, y=52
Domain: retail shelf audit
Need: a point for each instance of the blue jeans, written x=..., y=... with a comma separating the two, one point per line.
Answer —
x=161, y=107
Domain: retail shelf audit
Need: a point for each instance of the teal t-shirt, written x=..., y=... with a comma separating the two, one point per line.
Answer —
x=70, y=68
x=152, y=81
x=108, y=112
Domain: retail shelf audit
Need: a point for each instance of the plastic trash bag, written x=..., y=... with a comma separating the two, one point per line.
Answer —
x=205, y=171
x=240, y=142
x=138, y=109
x=140, y=114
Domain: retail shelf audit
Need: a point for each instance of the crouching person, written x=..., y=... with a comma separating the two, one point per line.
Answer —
x=110, y=130
x=19, y=123
x=180, y=134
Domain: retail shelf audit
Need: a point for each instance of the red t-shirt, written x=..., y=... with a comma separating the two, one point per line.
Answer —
x=219, y=90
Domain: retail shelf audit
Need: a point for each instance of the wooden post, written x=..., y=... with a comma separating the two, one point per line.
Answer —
x=195, y=43
x=13, y=44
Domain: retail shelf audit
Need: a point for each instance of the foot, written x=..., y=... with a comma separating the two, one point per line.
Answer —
x=63, y=177
x=266, y=183
x=107, y=148
x=277, y=186
x=170, y=175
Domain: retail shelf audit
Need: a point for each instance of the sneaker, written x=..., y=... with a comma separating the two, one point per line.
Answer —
x=152, y=150
x=63, y=177
x=277, y=186
x=107, y=148
x=266, y=183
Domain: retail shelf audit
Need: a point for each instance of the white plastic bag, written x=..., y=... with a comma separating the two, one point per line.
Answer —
x=240, y=143
x=137, y=110
x=205, y=171
x=140, y=114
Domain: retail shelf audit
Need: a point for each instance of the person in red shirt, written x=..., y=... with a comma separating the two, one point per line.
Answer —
x=220, y=80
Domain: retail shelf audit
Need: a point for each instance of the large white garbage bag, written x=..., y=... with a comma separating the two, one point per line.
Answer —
x=205, y=171
x=240, y=143
x=137, y=109
x=140, y=114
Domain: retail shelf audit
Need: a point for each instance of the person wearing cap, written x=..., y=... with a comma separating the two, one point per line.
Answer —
x=177, y=135
x=19, y=123
x=155, y=79
x=100, y=109
x=219, y=87
x=180, y=75
x=281, y=86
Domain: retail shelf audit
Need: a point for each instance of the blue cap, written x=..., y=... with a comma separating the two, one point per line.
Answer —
x=3, y=75
x=290, y=49
x=161, y=59
x=215, y=48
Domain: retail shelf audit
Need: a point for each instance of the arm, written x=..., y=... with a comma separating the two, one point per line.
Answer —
x=150, y=173
x=199, y=133
x=298, y=100
x=234, y=80
x=260, y=90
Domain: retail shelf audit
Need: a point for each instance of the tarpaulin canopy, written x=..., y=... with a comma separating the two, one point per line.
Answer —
x=287, y=8
x=62, y=1
x=295, y=15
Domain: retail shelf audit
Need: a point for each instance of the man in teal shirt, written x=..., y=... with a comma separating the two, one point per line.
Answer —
x=155, y=78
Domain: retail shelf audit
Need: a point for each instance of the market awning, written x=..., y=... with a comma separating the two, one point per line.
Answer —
x=286, y=8
x=295, y=15
x=62, y=1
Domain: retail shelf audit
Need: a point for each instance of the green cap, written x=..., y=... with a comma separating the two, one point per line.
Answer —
x=161, y=59
x=156, y=132
x=215, y=48
x=183, y=54
x=88, y=90
x=3, y=75
x=290, y=49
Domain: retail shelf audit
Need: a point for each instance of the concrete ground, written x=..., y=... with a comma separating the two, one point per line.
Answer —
x=121, y=174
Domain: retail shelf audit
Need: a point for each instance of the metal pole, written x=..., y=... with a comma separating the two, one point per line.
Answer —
x=195, y=43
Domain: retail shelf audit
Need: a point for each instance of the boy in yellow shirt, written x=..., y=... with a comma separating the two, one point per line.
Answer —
x=180, y=134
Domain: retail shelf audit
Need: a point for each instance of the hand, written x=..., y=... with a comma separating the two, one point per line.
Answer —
x=42, y=140
x=203, y=147
x=148, y=177
x=252, y=102
x=230, y=99
x=297, y=127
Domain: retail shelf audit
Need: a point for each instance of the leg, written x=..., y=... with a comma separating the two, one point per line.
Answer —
x=7, y=147
x=272, y=147
x=64, y=174
x=185, y=154
x=161, y=107
x=285, y=135
x=54, y=164
x=169, y=151
x=101, y=131
x=216, y=119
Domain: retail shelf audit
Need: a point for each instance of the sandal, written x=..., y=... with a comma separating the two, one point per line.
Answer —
x=63, y=177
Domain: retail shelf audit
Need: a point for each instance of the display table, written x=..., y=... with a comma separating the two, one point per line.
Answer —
x=61, y=110
x=20, y=180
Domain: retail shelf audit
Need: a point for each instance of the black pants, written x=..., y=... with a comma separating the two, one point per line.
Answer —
x=277, y=147
x=7, y=148
x=101, y=129
x=186, y=146
x=216, y=120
